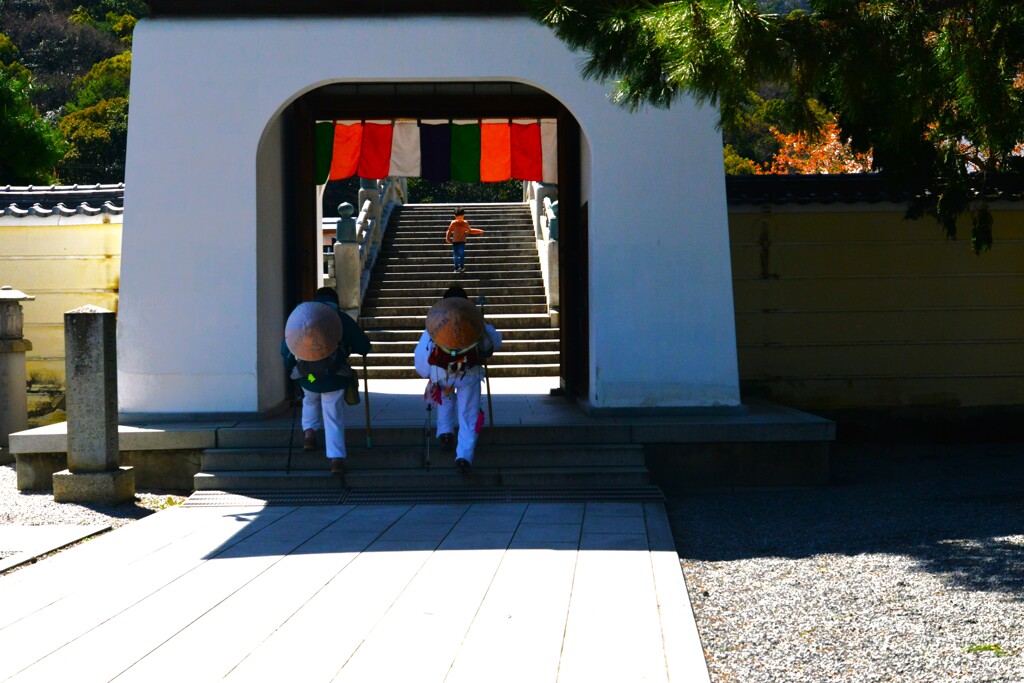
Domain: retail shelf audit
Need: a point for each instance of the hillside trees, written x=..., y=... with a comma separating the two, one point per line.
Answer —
x=910, y=80
x=29, y=145
x=76, y=52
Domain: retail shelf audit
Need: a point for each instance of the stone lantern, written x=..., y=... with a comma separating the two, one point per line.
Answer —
x=13, y=384
x=348, y=266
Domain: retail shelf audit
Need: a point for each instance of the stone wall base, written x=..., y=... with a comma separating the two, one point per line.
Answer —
x=168, y=470
x=115, y=486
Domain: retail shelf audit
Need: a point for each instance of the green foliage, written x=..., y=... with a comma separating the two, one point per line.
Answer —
x=29, y=145
x=8, y=50
x=736, y=164
x=994, y=648
x=457, y=192
x=97, y=139
x=106, y=80
x=912, y=81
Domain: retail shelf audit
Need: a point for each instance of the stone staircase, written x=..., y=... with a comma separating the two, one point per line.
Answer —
x=414, y=268
x=539, y=462
x=548, y=462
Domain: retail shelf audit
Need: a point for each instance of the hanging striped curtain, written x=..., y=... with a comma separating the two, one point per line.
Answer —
x=493, y=150
x=466, y=151
x=527, y=159
x=348, y=138
x=436, y=150
x=405, y=150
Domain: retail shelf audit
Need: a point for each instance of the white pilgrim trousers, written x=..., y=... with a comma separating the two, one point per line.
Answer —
x=326, y=411
x=464, y=410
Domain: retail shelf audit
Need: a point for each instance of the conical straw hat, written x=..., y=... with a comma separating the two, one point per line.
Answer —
x=313, y=331
x=454, y=323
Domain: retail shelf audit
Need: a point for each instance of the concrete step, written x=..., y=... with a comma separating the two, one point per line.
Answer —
x=492, y=309
x=474, y=271
x=445, y=258
x=544, y=436
x=507, y=335
x=377, y=301
x=384, y=348
x=379, y=358
x=500, y=321
x=490, y=291
x=407, y=371
x=400, y=268
x=411, y=457
x=434, y=478
x=471, y=280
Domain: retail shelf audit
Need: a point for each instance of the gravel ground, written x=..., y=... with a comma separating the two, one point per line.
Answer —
x=910, y=567
x=34, y=508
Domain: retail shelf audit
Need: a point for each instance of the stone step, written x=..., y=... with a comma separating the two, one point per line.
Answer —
x=388, y=269
x=542, y=436
x=408, y=372
x=445, y=258
x=385, y=348
x=437, y=286
x=491, y=309
x=428, y=298
x=500, y=358
x=507, y=334
x=473, y=270
x=444, y=251
x=434, y=478
x=376, y=301
x=521, y=241
x=500, y=321
x=411, y=457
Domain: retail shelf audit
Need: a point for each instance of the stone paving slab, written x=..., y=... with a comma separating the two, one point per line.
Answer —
x=414, y=592
x=20, y=543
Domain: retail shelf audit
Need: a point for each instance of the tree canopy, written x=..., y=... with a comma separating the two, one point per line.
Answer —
x=933, y=88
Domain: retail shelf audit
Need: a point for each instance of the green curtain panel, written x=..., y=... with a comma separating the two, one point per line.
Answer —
x=324, y=150
x=466, y=152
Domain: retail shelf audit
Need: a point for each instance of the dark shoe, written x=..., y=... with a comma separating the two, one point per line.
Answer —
x=338, y=466
x=309, y=440
x=447, y=442
x=462, y=465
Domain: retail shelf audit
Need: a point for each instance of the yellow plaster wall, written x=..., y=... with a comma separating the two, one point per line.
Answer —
x=65, y=265
x=854, y=307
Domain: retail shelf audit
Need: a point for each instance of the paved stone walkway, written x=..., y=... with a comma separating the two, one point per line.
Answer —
x=450, y=592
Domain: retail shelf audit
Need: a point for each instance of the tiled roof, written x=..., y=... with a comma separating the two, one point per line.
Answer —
x=853, y=188
x=61, y=200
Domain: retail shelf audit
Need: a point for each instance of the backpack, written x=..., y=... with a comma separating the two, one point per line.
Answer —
x=454, y=363
x=314, y=370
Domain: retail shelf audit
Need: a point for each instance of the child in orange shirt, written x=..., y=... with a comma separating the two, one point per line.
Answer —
x=456, y=236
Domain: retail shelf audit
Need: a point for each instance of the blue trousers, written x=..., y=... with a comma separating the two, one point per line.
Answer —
x=459, y=254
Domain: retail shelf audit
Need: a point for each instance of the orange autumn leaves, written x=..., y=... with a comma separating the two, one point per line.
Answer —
x=826, y=152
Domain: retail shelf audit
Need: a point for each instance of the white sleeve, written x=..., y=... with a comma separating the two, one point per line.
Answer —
x=423, y=349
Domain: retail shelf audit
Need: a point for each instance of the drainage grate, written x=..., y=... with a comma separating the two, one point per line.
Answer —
x=503, y=494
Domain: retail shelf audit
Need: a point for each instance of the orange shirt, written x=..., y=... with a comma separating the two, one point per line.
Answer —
x=459, y=230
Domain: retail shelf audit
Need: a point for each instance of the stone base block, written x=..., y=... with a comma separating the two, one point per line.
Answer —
x=115, y=486
x=35, y=470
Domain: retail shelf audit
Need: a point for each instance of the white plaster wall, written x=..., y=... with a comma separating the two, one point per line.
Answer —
x=659, y=261
x=270, y=250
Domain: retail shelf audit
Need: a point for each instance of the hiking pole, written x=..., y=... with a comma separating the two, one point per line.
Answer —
x=366, y=391
x=482, y=300
x=426, y=440
x=291, y=434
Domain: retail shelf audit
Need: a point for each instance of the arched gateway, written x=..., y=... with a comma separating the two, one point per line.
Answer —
x=215, y=141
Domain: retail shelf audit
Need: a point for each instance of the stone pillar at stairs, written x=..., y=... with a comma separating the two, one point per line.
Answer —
x=94, y=474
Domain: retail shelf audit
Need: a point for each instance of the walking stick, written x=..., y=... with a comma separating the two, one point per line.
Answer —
x=487, y=375
x=291, y=434
x=366, y=392
x=426, y=439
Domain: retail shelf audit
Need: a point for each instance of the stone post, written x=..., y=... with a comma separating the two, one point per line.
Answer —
x=13, y=380
x=348, y=268
x=94, y=474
